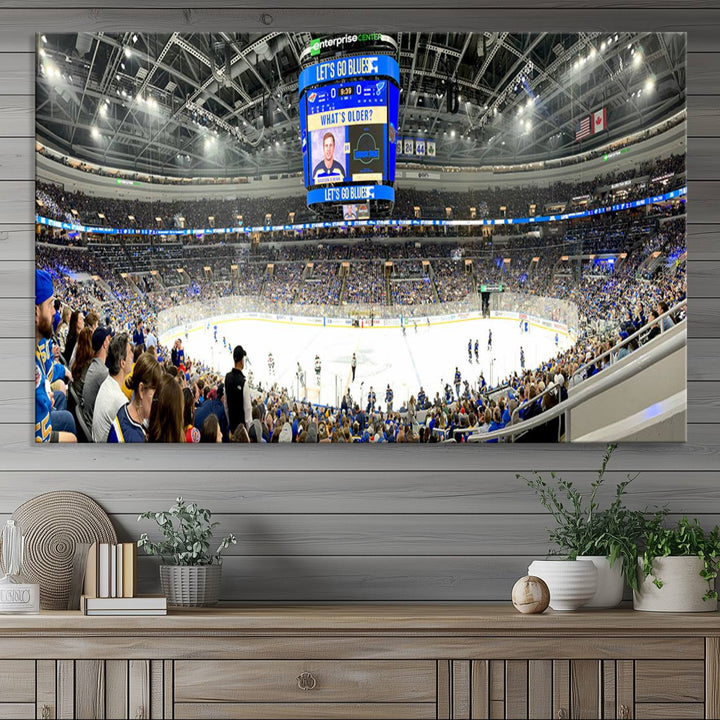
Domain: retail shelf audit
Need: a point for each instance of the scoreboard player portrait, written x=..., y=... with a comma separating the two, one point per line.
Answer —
x=329, y=169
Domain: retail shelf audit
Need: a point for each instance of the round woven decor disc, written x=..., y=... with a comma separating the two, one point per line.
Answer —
x=52, y=524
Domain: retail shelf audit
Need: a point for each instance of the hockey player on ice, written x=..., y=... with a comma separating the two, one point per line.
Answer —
x=271, y=364
x=470, y=350
x=477, y=351
x=318, y=368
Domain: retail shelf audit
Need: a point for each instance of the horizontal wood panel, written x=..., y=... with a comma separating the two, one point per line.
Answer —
x=659, y=681
x=21, y=455
x=262, y=492
x=334, y=18
x=278, y=681
x=669, y=711
x=399, y=645
x=490, y=533
x=17, y=711
x=305, y=711
x=17, y=681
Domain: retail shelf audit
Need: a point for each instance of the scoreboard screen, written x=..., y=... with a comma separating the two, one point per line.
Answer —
x=348, y=125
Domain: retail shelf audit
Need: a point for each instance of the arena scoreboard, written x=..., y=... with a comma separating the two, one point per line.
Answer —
x=349, y=99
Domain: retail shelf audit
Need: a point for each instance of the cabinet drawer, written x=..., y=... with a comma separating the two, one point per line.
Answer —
x=305, y=711
x=669, y=711
x=324, y=681
x=671, y=681
x=17, y=681
x=17, y=711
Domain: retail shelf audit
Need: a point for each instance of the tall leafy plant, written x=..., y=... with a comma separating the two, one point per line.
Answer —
x=582, y=527
x=186, y=530
x=686, y=539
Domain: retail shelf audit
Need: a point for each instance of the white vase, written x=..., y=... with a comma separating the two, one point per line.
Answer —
x=682, y=589
x=610, y=582
x=571, y=582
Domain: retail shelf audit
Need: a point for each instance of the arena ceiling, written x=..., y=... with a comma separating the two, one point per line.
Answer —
x=226, y=104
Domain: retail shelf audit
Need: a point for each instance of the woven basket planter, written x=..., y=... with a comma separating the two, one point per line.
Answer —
x=191, y=586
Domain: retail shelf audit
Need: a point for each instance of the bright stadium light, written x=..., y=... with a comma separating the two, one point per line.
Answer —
x=649, y=85
x=128, y=52
x=637, y=59
x=95, y=133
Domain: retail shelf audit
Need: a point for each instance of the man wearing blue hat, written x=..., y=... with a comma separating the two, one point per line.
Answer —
x=50, y=425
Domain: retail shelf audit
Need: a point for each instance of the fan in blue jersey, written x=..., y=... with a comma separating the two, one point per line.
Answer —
x=50, y=425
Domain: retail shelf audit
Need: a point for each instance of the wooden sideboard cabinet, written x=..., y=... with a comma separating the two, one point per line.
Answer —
x=361, y=662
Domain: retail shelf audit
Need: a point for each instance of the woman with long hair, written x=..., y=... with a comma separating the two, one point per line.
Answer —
x=166, y=416
x=192, y=434
x=77, y=323
x=132, y=418
x=83, y=357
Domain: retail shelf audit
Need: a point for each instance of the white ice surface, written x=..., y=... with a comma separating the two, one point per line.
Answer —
x=426, y=357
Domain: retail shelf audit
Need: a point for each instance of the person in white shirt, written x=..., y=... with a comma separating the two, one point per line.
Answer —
x=110, y=397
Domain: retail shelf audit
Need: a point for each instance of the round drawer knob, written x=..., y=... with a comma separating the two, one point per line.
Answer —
x=306, y=681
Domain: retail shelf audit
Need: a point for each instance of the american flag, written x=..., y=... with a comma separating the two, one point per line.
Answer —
x=583, y=128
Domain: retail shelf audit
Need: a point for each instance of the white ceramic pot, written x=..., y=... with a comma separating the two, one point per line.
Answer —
x=191, y=585
x=571, y=582
x=610, y=582
x=682, y=589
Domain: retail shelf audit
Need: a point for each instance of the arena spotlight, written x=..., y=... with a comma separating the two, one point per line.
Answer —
x=95, y=133
x=637, y=59
x=128, y=52
x=649, y=85
x=44, y=38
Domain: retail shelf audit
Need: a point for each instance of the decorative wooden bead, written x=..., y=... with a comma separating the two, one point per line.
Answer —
x=530, y=594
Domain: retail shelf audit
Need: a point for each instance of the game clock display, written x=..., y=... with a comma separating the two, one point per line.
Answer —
x=348, y=134
x=348, y=128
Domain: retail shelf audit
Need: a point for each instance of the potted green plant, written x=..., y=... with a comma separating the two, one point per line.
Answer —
x=583, y=530
x=190, y=574
x=677, y=568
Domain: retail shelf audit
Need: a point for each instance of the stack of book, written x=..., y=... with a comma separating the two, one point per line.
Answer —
x=111, y=583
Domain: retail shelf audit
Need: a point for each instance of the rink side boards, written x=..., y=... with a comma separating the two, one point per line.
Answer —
x=166, y=337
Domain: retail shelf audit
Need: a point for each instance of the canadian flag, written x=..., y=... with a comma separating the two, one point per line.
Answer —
x=599, y=121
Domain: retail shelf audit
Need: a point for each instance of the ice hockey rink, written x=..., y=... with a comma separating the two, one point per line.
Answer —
x=423, y=356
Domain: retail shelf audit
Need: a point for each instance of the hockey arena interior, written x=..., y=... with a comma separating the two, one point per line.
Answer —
x=375, y=238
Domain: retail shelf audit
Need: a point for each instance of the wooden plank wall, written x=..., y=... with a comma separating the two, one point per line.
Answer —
x=357, y=523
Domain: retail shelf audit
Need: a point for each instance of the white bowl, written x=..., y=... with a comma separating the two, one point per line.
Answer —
x=571, y=582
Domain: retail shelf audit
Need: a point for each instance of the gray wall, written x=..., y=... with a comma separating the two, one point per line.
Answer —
x=357, y=523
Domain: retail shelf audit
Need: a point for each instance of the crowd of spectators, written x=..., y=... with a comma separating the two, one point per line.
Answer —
x=613, y=300
x=521, y=201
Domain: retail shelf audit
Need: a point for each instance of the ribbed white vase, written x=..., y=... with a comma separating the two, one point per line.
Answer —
x=610, y=582
x=682, y=589
x=571, y=582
